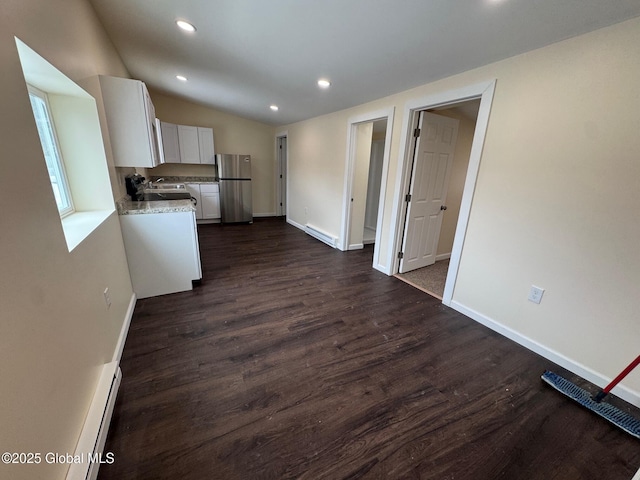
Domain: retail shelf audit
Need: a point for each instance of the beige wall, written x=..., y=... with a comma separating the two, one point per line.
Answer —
x=231, y=134
x=556, y=201
x=56, y=329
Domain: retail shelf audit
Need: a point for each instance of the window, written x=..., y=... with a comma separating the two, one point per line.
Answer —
x=52, y=156
x=67, y=122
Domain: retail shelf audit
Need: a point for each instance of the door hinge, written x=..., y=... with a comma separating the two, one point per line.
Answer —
x=416, y=133
x=280, y=176
x=407, y=197
x=400, y=255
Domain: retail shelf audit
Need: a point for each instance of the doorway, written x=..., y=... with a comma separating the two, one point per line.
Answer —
x=440, y=164
x=481, y=91
x=281, y=175
x=367, y=166
x=367, y=179
x=374, y=182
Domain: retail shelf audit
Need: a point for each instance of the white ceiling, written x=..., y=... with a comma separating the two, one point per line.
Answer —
x=249, y=54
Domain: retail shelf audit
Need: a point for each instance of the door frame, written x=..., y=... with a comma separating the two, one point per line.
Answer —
x=349, y=175
x=278, y=183
x=483, y=91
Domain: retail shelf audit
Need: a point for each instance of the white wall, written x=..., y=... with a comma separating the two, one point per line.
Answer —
x=56, y=329
x=556, y=200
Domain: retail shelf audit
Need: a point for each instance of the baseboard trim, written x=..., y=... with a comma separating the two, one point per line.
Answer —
x=93, y=436
x=356, y=246
x=577, y=368
x=259, y=215
x=443, y=256
x=117, y=354
x=296, y=224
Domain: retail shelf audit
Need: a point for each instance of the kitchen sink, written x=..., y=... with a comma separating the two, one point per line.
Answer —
x=166, y=186
x=165, y=195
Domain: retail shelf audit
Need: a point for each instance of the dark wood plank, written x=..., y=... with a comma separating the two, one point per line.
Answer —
x=294, y=360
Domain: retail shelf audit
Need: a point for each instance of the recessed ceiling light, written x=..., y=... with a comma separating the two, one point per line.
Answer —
x=322, y=83
x=182, y=78
x=274, y=108
x=186, y=26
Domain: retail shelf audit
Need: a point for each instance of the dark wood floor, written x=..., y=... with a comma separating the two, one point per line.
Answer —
x=294, y=360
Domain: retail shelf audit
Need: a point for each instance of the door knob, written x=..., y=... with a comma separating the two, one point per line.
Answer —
x=443, y=207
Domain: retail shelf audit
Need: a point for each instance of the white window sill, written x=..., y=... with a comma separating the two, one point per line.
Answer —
x=79, y=225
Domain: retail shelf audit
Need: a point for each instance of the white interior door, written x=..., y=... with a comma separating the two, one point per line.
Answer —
x=433, y=157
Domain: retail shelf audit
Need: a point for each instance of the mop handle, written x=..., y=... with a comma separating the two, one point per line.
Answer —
x=617, y=380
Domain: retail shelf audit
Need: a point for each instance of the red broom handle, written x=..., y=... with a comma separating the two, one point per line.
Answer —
x=623, y=374
x=605, y=391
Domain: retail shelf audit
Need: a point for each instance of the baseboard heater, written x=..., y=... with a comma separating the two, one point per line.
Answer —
x=320, y=235
x=96, y=426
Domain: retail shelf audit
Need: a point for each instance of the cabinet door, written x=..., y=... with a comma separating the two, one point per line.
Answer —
x=210, y=205
x=151, y=126
x=170, y=143
x=210, y=200
x=128, y=111
x=188, y=143
x=205, y=141
x=194, y=190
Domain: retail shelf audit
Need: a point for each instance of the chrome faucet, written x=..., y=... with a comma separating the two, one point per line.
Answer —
x=151, y=184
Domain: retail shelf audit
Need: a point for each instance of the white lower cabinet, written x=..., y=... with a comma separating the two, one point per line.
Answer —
x=208, y=198
x=210, y=201
x=162, y=251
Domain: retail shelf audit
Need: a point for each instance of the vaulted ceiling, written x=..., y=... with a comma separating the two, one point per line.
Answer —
x=249, y=54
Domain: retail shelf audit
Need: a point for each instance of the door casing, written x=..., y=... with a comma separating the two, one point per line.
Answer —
x=281, y=167
x=352, y=127
x=483, y=91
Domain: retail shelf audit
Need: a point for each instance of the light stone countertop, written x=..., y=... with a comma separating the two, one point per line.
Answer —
x=191, y=179
x=129, y=207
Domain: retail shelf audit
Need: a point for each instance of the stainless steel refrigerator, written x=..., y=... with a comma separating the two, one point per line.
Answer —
x=234, y=172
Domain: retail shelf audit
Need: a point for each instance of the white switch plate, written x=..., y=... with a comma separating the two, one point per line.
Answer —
x=107, y=297
x=535, y=294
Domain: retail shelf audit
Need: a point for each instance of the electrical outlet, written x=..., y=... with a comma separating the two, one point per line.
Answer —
x=107, y=297
x=535, y=294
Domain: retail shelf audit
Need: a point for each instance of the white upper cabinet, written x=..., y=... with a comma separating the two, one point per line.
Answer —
x=170, y=142
x=205, y=142
x=188, y=141
x=187, y=144
x=130, y=122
